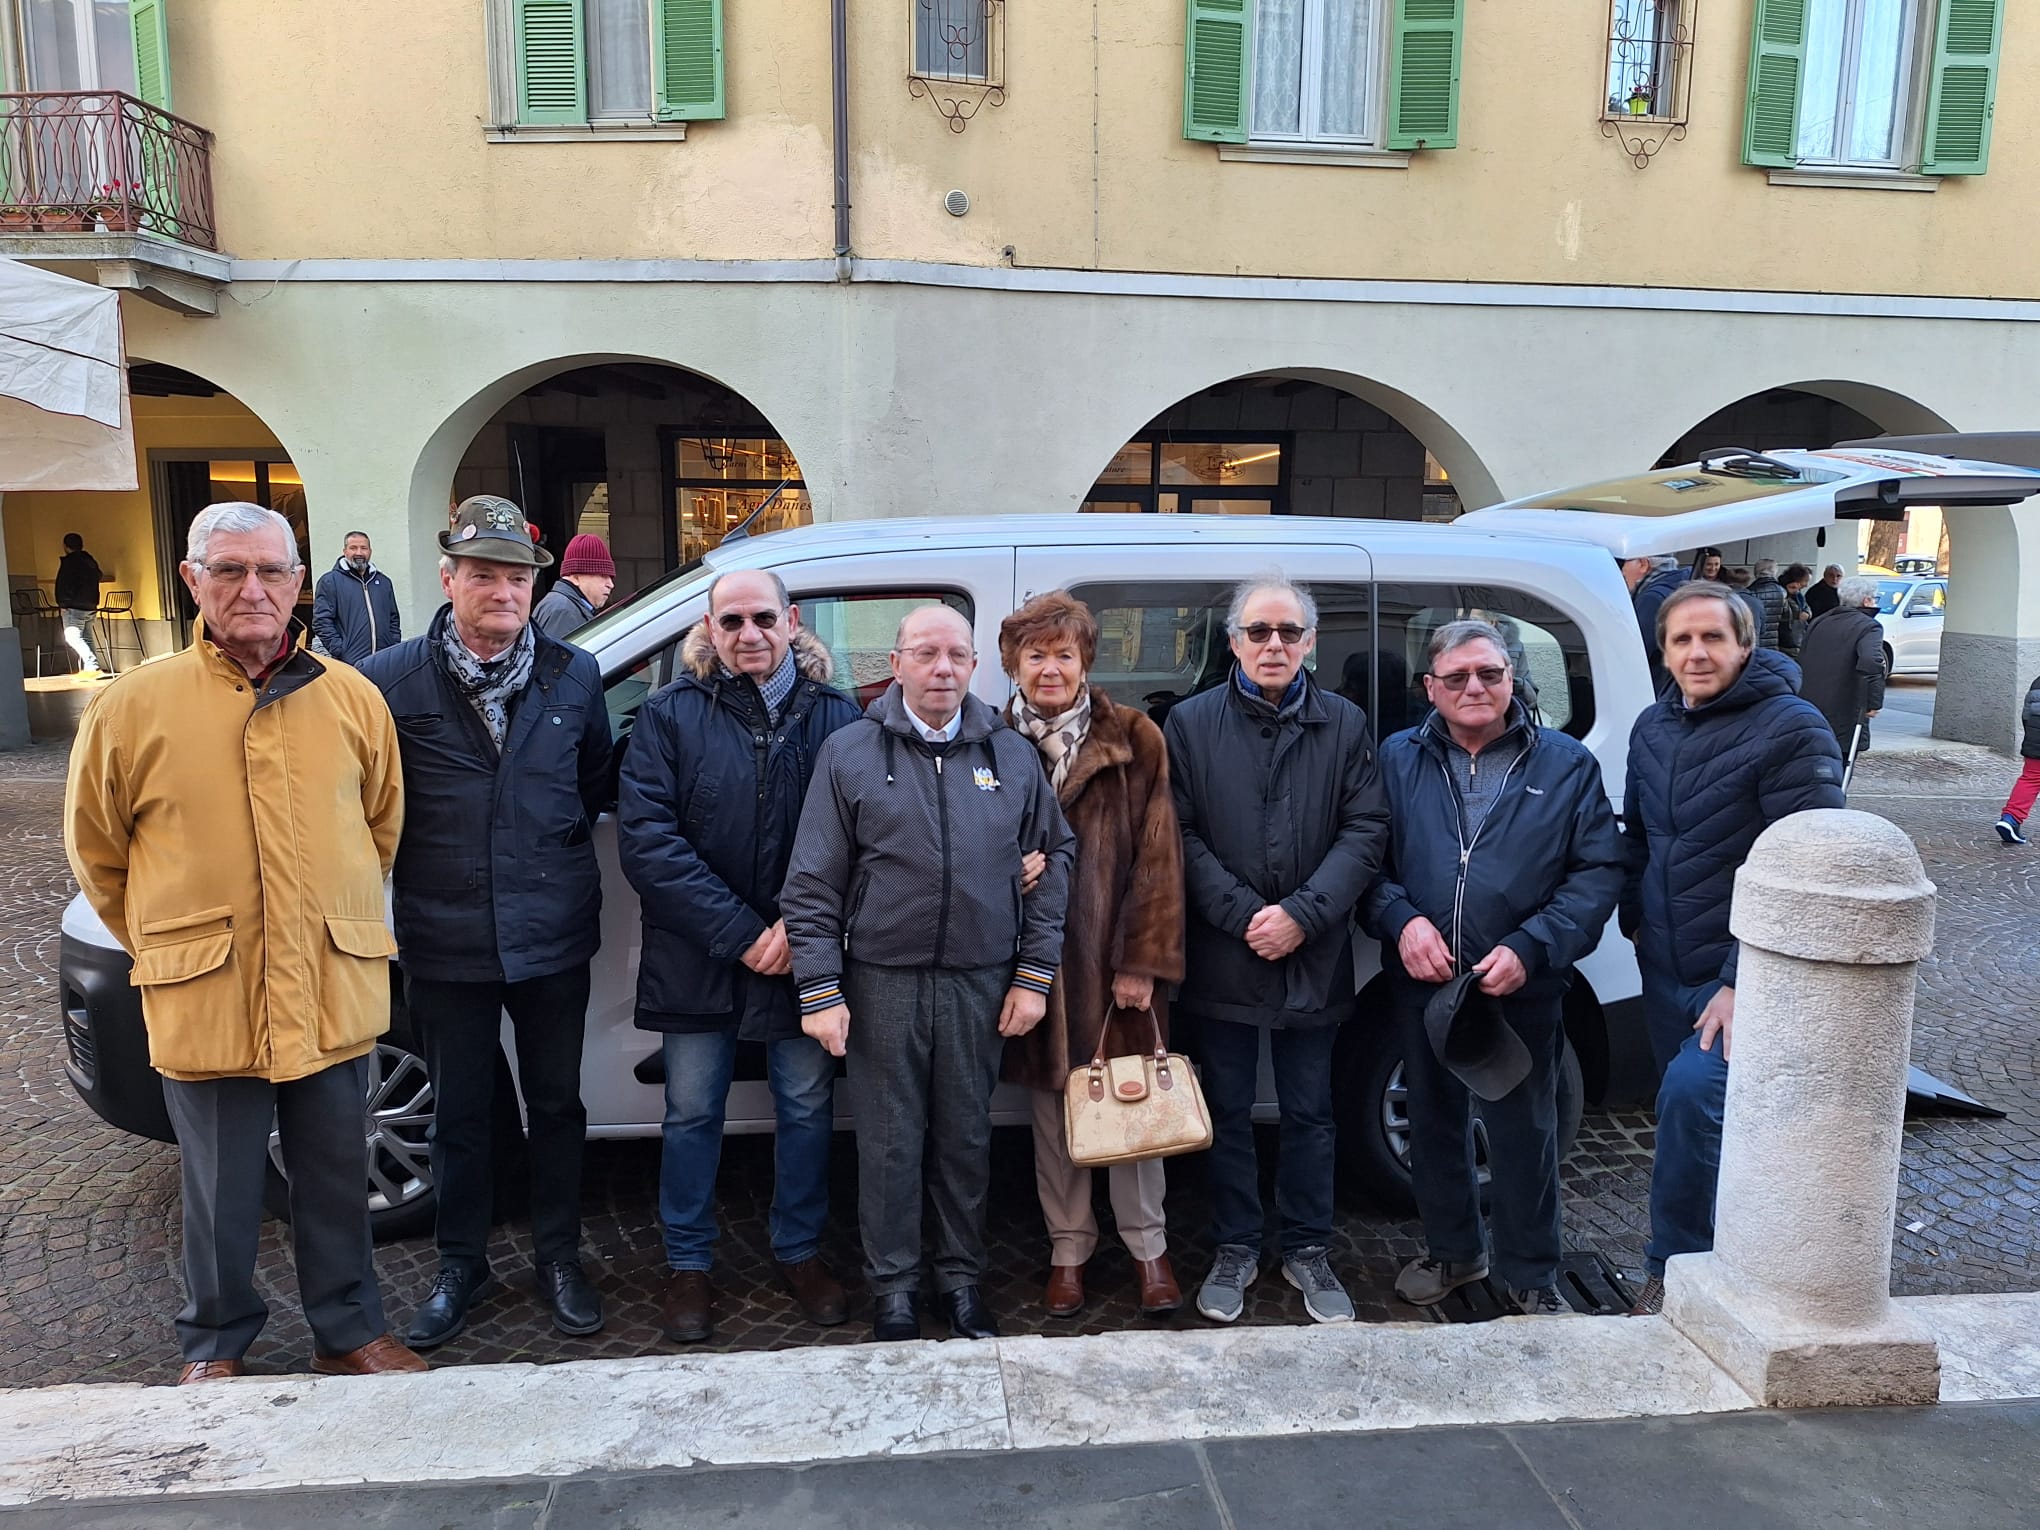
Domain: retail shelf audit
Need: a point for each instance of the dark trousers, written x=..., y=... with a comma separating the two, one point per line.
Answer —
x=222, y=1127
x=1228, y=1062
x=1522, y=1130
x=461, y=1024
x=924, y=1060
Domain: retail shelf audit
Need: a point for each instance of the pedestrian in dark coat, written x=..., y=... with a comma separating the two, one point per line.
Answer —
x=2026, y=790
x=1503, y=860
x=76, y=593
x=1765, y=588
x=1284, y=824
x=587, y=578
x=1824, y=596
x=1712, y=764
x=506, y=752
x=354, y=608
x=1841, y=662
x=712, y=785
x=1122, y=934
x=1665, y=577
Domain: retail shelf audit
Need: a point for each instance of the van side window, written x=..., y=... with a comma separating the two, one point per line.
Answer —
x=626, y=689
x=1547, y=650
x=858, y=629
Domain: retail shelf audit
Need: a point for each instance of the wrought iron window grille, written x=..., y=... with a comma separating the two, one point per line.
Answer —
x=957, y=56
x=1648, y=74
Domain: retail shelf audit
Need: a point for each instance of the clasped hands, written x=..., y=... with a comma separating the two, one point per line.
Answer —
x=1427, y=958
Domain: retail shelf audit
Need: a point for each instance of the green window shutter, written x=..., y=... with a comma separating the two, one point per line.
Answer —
x=1964, y=90
x=1423, y=74
x=687, y=59
x=152, y=51
x=552, y=63
x=1215, y=70
x=1777, y=64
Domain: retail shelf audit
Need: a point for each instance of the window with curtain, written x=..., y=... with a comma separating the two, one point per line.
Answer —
x=1855, y=102
x=953, y=39
x=1647, y=44
x=1317, y=70
x=619, y=59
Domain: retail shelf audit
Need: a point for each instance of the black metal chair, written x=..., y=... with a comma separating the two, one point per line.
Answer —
x=41, y=625
x=113, y=605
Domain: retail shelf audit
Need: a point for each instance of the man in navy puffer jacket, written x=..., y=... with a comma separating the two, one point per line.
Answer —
x=1729, y=750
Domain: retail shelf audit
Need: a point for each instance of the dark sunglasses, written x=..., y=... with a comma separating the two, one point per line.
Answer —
x=1491, y=675
x=733, y=621
x=1260, y=632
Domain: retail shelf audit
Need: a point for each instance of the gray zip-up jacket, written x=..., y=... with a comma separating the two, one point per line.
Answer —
x=908, y=854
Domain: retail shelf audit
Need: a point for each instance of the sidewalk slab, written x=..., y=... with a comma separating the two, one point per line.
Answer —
x=1990, y=1345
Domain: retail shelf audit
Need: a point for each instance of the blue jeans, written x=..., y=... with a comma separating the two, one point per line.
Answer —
x=1228, y=1060
x=698, y=1068
x=1689, y=1110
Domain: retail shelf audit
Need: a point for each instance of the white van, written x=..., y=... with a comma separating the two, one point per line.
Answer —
x=1540, y=568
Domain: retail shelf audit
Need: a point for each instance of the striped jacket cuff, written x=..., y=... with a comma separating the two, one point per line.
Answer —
x=826, y=994
x=1040, y=979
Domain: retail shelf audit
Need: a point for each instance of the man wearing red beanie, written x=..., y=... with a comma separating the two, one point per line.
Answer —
x=587, y=575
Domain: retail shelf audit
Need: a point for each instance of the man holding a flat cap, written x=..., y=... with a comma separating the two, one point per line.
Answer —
x=505, y=743
x=1504, y=863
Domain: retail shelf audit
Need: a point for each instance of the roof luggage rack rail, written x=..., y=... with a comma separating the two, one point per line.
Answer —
x=1741, y=462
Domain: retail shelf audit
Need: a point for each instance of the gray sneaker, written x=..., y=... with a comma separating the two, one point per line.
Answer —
x=1541, y=1301
x=1223, y=1296
x=1426, y=1282
x=1310, y=1271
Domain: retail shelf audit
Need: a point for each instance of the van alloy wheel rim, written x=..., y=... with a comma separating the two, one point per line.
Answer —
x=399, y=1104
x=1395, y=1124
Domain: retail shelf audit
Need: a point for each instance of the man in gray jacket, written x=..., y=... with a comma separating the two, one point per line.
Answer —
x=904, y=911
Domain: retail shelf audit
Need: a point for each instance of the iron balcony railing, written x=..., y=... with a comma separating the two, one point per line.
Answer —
x=98, y=161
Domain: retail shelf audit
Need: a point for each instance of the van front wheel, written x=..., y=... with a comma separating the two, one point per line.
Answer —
x=401, y=1196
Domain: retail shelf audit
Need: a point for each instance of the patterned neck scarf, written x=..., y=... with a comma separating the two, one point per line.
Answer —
x=775, y=687
x=489, y=685
x=1058, y=737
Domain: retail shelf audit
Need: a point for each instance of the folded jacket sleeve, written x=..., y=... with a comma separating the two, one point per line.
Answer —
x=818, y=881
x=1041, y=911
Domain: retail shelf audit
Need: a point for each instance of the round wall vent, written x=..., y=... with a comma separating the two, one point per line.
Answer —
x=958, y=203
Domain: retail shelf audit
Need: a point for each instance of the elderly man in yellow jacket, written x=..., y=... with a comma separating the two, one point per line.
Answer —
x=232, y=812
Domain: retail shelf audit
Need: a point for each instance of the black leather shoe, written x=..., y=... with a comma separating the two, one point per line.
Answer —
x=897, y=1316
x=443, y=1314
x=576, y=1305
x=968, y=1316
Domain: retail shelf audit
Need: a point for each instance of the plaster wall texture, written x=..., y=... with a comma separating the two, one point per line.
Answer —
x=1834, y=913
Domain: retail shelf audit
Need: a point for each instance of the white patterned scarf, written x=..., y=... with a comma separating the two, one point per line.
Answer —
x=1058, y=737
x=489, y=686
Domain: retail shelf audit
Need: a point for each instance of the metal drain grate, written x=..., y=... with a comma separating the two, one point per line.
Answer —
x=1587, y=1281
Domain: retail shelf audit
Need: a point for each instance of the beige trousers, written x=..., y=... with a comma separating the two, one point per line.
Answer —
x=1066, y=1194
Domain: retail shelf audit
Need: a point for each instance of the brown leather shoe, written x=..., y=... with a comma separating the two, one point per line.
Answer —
x=817, y=1293
x=1064, y=1294
x=1159, y=1293
x=210, y=1370
x=374, y=1358
x=686, y=1306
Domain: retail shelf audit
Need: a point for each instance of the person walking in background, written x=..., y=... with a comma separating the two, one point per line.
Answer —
x=1504, y=861
x=77, y=597
x=1122, y=934
x=1792, y=625
x=1660, y=576
x=498, y=899
x=1738, y=580
x=587, y=575
x=1841, y=662
x=256, y=928
x=1714, y=762
x=916, y=952
x=1284, y=824
x=1825, y=596
x=713, y=780
x=2019, y=806
x=354, y=608
x=1772, y=602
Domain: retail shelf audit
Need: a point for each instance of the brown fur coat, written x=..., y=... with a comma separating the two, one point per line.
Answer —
x=1126, y=899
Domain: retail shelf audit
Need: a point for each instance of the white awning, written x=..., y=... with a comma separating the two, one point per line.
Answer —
x=64, y=416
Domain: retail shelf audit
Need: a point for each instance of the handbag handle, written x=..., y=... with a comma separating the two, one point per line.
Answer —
x=1164, y=1075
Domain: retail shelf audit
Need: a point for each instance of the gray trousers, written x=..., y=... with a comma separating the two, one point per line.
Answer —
x=222, y=1127
x=924, y=1059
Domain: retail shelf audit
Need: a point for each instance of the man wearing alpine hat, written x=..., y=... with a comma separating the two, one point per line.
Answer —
x=506, y=749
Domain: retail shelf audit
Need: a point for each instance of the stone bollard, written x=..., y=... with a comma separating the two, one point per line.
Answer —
x=1834, y=912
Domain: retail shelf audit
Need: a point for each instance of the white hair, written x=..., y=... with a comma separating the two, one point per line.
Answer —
x=236, y=517
x=1857, y=590
x=1767, y=568
x=1276, y=580
x=1661, y=561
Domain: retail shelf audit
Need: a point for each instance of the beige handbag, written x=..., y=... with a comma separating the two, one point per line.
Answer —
x=1123, y=1109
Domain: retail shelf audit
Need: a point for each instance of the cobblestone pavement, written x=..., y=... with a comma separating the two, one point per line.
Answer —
x=88, y=1216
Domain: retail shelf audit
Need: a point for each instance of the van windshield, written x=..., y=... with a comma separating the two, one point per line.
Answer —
x=1675, y=492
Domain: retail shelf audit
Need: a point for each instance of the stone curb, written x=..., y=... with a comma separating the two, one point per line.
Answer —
x=802, y=1405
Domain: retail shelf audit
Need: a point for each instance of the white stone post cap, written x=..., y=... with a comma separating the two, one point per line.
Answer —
x=1835, y=885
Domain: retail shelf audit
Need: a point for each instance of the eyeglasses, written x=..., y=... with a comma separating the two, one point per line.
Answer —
x=1489, y=675
x=272, y=574
x=1260, y=632
x=733, y=621
x=928, y=655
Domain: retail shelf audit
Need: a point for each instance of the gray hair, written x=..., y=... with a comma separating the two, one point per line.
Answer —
x=778, y=586
x=1832, y=568
x=1272, y=579
x=1767, y=568
x=236, y=517
x=1467, y=630
x=1661, y=561
x=1857, y=590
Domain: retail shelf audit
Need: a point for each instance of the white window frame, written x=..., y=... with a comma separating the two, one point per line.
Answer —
x=502, y=124
x=1915, y=24
x=1312, y=85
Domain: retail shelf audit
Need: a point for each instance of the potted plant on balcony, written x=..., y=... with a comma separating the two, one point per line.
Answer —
x=116, y=208
x=56, y=218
